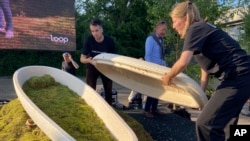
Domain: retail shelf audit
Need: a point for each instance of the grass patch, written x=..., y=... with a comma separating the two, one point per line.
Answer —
x=12, y=124
x=76, y=117
x=139, y=130
x=66, y=108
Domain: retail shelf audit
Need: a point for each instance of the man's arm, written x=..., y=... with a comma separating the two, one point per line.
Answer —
x=73, y=62
x=84, y=59
x=148, y=49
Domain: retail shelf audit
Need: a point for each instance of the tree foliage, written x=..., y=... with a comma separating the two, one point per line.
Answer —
x=245, y=37
x=128, y=22
x=123, y=20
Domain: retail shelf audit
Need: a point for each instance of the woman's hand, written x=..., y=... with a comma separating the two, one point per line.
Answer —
x=166, y=79
x=178, y=67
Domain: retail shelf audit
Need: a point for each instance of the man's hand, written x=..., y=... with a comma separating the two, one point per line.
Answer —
x=70, y=58
x=91, y=61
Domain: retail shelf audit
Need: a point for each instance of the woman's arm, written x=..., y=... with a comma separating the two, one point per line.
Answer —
x=204, y=79
x=178, y=67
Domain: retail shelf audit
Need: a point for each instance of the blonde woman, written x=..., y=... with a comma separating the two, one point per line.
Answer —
x=217, y=54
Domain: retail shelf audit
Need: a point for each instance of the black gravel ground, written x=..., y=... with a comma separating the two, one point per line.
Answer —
x=166, y=127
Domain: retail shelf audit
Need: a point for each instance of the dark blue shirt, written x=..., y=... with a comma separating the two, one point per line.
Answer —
x=216, y=51
x=153, y=52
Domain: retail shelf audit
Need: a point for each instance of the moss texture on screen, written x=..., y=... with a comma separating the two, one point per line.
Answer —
x=66, y=108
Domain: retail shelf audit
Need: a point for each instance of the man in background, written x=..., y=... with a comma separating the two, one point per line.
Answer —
x=95, y=44
x=68, y=64
x=154, y=52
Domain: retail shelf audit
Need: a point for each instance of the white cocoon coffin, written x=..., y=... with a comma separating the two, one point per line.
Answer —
x=146, y=78
x=115, y=124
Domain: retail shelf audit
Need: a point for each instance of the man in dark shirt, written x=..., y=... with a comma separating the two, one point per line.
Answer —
x=95, y=44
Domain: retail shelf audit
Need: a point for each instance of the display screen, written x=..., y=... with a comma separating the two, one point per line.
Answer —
x=37, y=24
